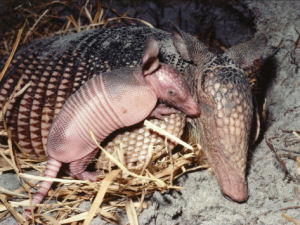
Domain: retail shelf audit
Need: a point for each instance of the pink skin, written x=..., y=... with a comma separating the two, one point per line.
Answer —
x=162, y=110
x=109, y=102
x=232, y=182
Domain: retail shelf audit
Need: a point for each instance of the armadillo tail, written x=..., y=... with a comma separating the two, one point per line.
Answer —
x=51, y=171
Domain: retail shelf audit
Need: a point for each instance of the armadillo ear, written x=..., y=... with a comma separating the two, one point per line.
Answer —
x=180, y=43
x=190, y=48
x=246, y=53
x=150, y=58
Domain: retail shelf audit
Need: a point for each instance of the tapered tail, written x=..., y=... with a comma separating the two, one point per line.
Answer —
x=53, y=166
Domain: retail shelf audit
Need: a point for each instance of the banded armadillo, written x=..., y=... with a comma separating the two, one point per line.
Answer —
x=58, y=66
x=108, y=102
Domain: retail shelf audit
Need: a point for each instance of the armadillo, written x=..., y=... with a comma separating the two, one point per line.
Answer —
x=58, y=66
x=108, y=102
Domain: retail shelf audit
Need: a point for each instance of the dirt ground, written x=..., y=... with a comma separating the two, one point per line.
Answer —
x=273, y=176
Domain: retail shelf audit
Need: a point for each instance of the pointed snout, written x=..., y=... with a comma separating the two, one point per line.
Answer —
x=191, y=108
x=232, y=183
x=236, y=191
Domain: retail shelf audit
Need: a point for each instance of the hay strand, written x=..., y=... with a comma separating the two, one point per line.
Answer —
x=29, y=32
x=99, y=13
x=12, y=193
x=17, y=216
x=100, y=195
x=157, y=129
x=12, y=53
x=39, y=178
x=131, y=213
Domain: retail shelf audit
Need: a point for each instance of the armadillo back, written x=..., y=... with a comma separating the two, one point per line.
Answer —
x=54, y=69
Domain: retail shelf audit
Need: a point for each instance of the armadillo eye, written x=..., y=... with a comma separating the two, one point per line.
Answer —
x=171, y=92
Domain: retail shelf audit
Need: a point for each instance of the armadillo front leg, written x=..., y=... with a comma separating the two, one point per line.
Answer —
x=78, y=167
x=162, y=110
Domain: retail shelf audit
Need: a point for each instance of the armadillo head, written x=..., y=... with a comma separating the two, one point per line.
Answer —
x=172, y=89
x=166, y=82
x=226, y=106
x=225, y=101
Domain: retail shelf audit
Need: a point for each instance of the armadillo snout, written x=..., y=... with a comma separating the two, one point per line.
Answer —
x=232, y=130
x=237, y=191
x=191, y=108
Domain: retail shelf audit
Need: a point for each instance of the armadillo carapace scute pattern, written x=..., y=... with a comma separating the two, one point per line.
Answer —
x=137, y=140
x=230, y=89
x=53, y=79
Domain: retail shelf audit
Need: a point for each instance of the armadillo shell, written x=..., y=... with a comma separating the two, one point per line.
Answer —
x=133, y=143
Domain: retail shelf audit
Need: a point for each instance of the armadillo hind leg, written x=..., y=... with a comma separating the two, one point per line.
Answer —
x=78, y=167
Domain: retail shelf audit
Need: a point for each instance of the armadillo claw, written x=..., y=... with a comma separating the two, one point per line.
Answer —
x=85, y=175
